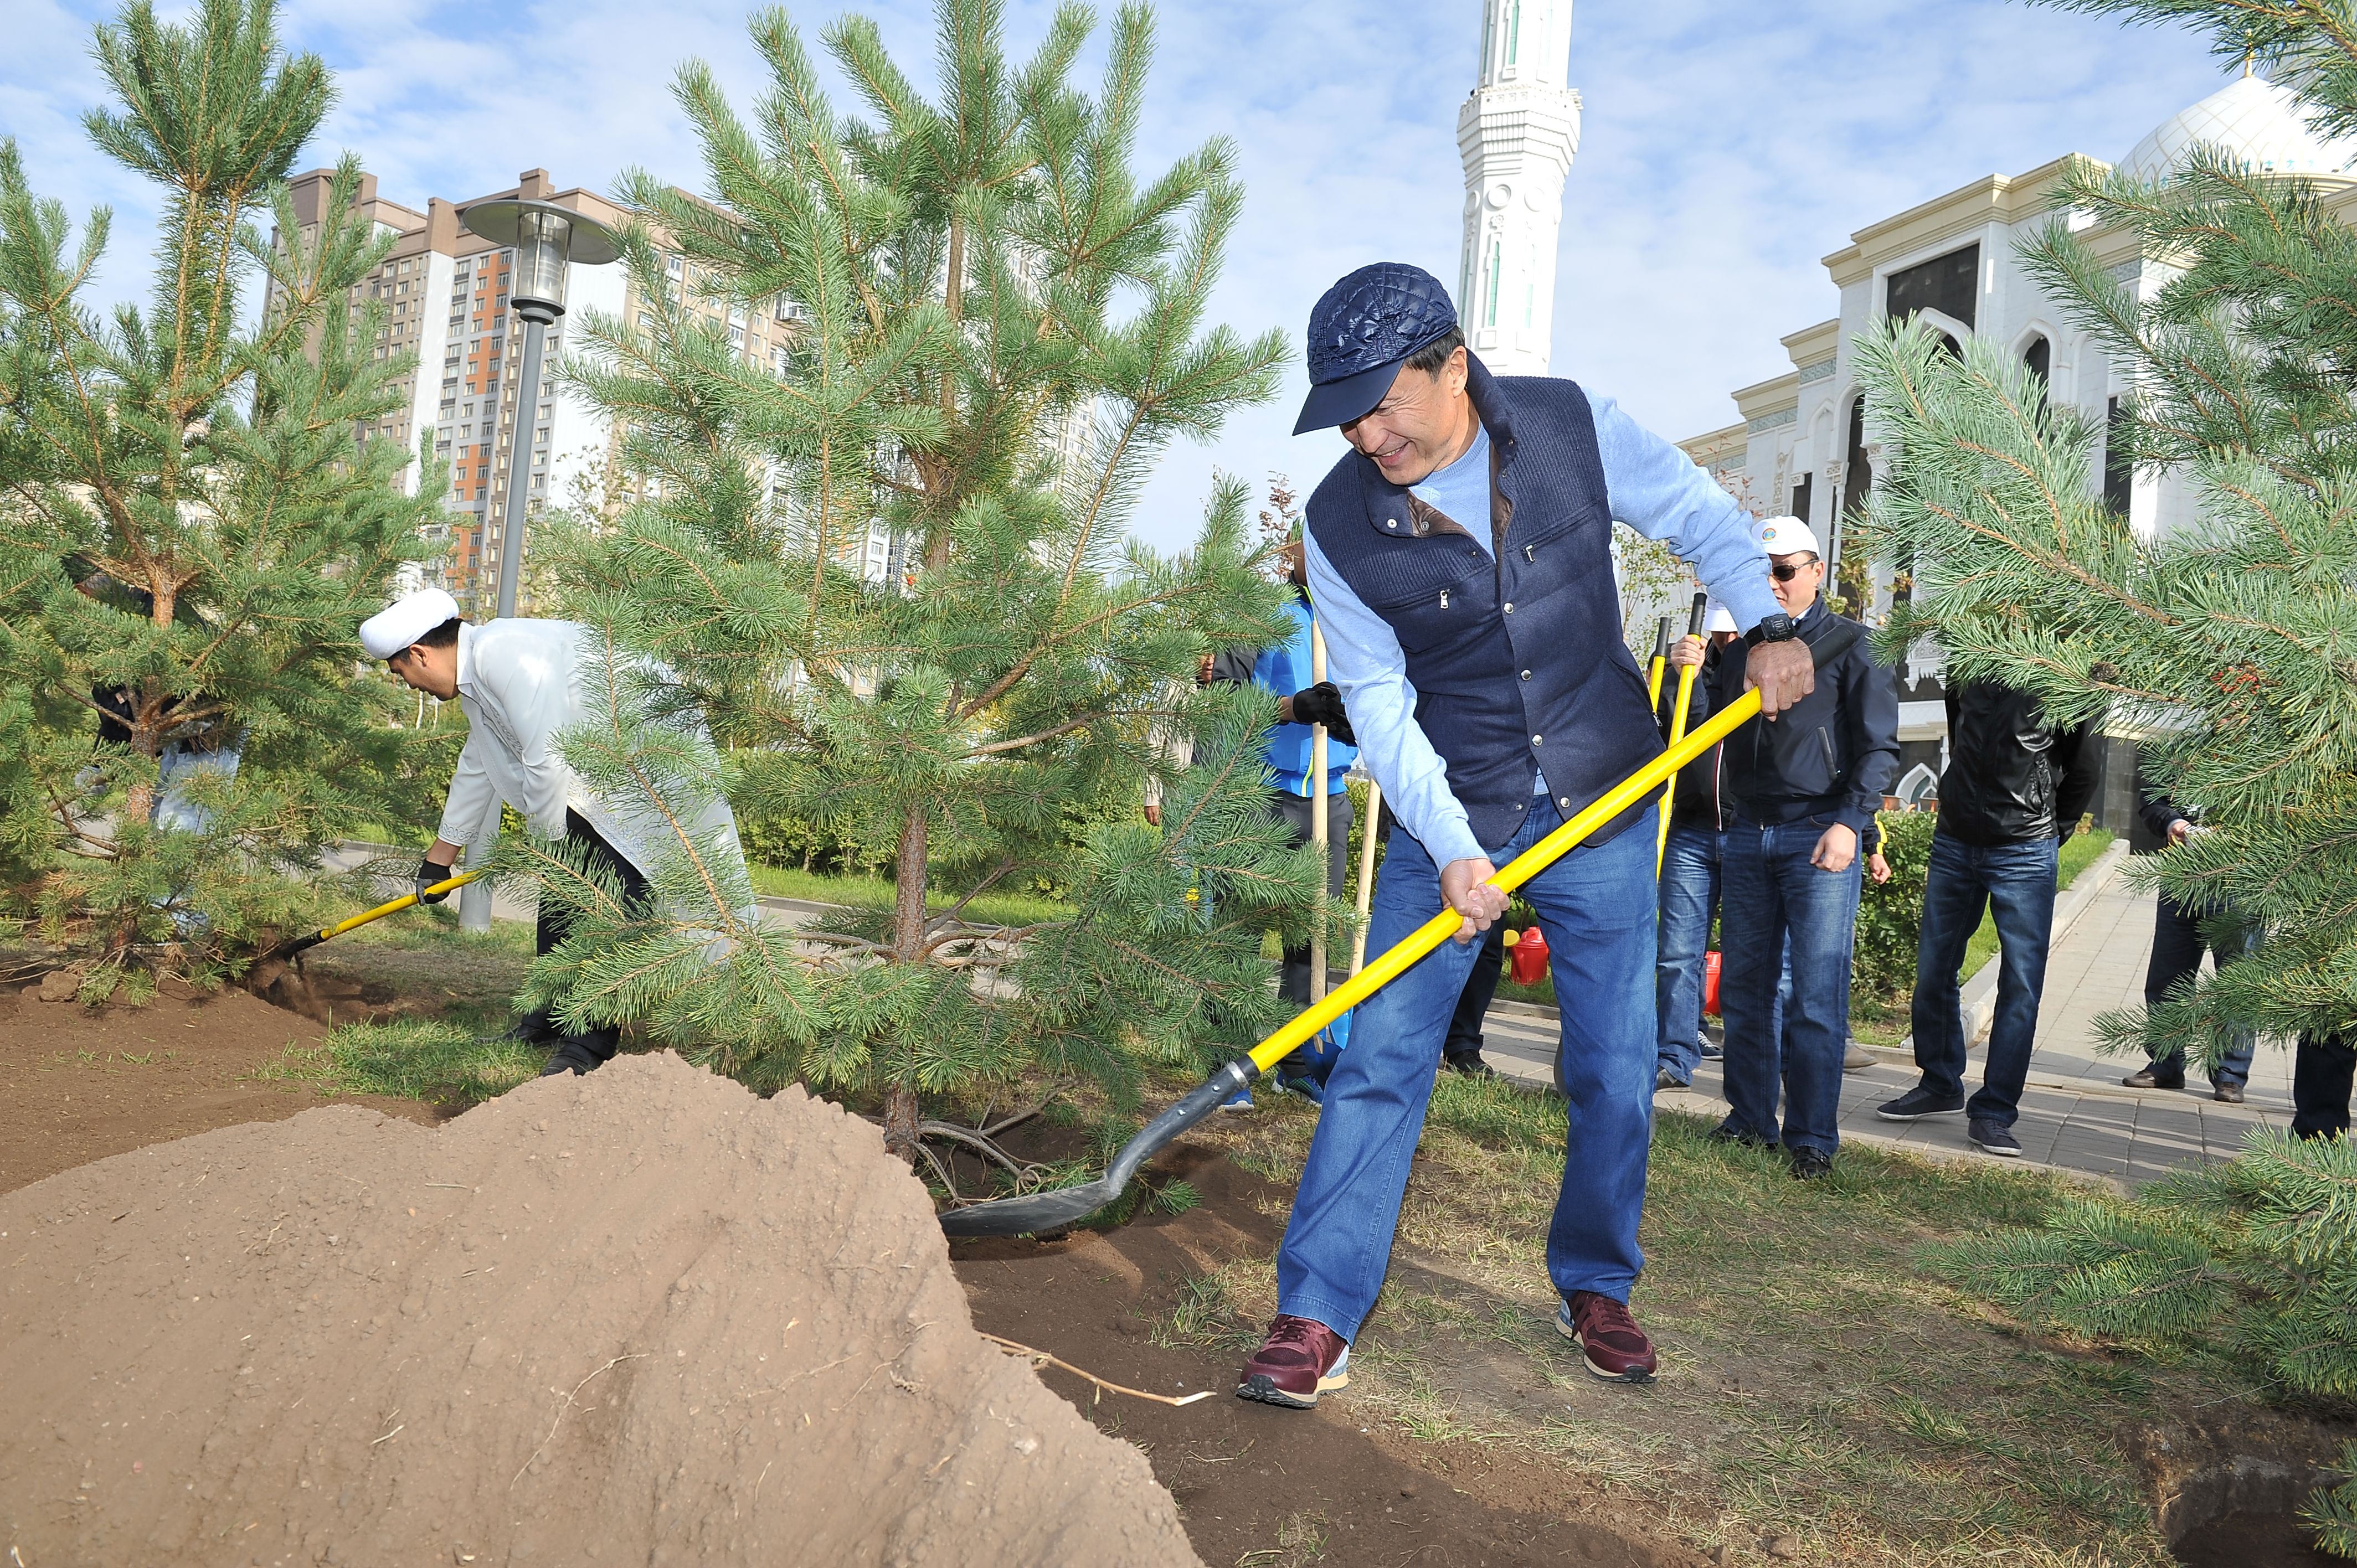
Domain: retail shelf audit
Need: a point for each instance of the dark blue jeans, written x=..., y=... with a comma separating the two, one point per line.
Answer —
x=1596, y=906
x=1773, y=897
x=2016, y=883
x=2178, y=941
x=1689, y=894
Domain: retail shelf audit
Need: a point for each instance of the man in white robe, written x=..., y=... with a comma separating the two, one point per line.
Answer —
x=521, y=686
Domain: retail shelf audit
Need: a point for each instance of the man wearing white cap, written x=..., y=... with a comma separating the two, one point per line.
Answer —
x=1805, y=789
x=519, y=683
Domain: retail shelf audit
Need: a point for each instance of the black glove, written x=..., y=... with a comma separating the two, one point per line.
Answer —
x=429, y=872
x=1323, y=704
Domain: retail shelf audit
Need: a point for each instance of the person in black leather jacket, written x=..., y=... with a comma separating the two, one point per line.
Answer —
x=1806, y=788
x=2014, y=790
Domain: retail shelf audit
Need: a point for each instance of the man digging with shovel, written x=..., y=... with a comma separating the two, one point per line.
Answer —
x=1460, y=555
x=520, y=682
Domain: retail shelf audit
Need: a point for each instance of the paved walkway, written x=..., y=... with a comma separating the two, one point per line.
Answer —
x=2075, y=1114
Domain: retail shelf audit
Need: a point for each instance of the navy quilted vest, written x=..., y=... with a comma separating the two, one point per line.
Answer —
x=1517, y=664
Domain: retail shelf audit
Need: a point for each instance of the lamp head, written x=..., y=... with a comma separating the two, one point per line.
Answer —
x=545, y=237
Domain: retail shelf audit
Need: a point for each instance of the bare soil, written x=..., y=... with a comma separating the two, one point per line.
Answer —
x=1251, y=1478
x=80, y=1083
x=642, y=1315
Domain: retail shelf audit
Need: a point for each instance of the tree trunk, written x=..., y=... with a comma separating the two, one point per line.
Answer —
x=901, y=1122
x=908, y=943
x=909, y=890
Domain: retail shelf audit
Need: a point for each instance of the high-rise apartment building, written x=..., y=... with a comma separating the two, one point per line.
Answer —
x=447, y=303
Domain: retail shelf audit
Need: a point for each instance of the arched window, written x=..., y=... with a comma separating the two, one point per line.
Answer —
x=1858, y=475
x=2039, y=358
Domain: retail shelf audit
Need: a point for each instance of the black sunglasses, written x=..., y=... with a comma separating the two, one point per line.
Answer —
x=1786, y=574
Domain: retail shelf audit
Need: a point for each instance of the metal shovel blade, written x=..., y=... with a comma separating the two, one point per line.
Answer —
x=1068, y=1205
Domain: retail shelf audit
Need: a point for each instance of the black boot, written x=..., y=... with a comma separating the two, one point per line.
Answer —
x=581, y=1053
x=529, y=1029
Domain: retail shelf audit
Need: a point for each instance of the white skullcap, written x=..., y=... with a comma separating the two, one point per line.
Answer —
x=401, y=623
x=1715, y=619
x=1788, y=536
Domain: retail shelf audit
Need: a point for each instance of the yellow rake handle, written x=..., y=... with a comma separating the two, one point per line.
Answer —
x=1427, y=936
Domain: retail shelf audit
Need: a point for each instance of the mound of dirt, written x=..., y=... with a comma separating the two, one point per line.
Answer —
x=642, y=1316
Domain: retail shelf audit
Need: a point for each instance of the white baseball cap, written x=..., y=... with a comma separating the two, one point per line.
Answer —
x=401, y=623
x=1788, y=536
x=1716, y=618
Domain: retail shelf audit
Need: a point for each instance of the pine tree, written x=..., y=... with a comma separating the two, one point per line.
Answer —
x=1002, y=328
x=188, y=531
x=2226, y=649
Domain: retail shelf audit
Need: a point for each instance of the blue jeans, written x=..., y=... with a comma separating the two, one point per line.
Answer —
x=1689, y=894
x=1778, y=909
x=1596, y=906
x=2016, y=883
x=2178, y=941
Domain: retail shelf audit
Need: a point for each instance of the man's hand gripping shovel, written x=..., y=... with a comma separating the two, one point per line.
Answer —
x=1068, y=1205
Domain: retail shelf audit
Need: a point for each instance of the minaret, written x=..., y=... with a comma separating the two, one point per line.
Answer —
x=1517, y=134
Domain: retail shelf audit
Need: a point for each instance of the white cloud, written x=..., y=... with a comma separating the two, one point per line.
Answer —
x=1724, y=149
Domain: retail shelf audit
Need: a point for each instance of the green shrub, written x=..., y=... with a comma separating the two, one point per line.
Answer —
x=1890, y=916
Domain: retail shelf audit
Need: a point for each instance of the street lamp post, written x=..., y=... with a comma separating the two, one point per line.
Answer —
x=546, y=238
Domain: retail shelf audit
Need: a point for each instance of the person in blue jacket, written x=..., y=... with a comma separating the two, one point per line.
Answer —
x=1287, y=669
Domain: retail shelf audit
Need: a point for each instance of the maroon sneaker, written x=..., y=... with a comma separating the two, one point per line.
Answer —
x=1300, y=1360
x=1615, y=1346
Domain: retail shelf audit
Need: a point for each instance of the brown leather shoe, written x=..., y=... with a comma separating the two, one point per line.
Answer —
x=1300, y=1360
x=2153, y=1078
x=2231, y=1093
x=1615, y=1348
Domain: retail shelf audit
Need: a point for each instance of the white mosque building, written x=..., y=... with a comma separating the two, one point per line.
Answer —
x=1800, y=446
x=1517, y=134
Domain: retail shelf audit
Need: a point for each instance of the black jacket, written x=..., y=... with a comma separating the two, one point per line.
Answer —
x=1832, y=753
x=2011, y=778
x=1703, y=800
x=2160, y=813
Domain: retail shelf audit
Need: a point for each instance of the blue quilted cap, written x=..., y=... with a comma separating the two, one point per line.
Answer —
x=1359, y=330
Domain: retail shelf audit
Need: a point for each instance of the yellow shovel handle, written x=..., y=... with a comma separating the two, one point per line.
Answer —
x=1425, y=938
x=381, y=910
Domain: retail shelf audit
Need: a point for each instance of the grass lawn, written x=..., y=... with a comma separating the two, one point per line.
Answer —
x=875, y=893
x=1815, y=1384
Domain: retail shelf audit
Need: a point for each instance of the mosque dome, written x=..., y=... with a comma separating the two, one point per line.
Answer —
x=2259, y=123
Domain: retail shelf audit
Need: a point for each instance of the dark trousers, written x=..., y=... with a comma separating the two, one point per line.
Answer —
x=1293, y=982
x=2321, y=1074
x=2013, y=881
x=2177, y=944
x=555, y=923
x=1464, y=1041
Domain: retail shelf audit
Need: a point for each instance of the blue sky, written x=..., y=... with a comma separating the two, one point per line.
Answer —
x=1724, y=147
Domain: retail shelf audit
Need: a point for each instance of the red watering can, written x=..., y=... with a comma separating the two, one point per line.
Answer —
x=1530, y=956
